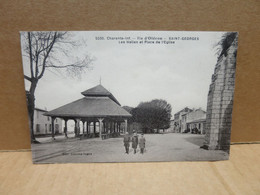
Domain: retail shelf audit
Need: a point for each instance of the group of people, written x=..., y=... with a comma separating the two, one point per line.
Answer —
x=135, y=142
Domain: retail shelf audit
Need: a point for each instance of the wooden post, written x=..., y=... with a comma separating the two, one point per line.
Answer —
x=114, y=130
x=94, y=127
x=87, y=127
x=100, y=127
x=83, y=133
x=77, y=128
x=52, y=127
x=66, y=128
x=125, y=126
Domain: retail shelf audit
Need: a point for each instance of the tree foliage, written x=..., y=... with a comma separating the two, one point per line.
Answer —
x=225, y=42
x=155, y=114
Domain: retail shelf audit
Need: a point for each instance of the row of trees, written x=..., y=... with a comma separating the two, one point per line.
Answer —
x=152, y=115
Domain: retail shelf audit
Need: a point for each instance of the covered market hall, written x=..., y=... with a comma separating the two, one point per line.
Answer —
x=99, y=112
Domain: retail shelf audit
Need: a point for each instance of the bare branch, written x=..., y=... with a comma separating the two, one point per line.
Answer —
x=51, y=50
x=46, y=56
x=28, y=78
x=30, y=53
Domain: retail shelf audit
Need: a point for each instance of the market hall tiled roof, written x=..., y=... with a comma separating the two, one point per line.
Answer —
x=98, y=102
x=99, y=91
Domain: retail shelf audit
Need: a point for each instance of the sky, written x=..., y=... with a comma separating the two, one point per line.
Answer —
x=178, y=72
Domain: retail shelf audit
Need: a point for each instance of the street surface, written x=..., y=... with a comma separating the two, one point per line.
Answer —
x=159, y=147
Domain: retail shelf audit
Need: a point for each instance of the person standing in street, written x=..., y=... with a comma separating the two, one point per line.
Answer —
x=127, y=142
x=142, y=143
x=135, y=142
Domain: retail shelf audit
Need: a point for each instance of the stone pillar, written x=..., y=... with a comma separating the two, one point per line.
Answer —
x=220, y=101
x=100, y=120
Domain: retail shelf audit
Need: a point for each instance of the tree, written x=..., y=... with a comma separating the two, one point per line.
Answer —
x=155, y=114
x=225, y=42
x=128, y=108
x=46, y=50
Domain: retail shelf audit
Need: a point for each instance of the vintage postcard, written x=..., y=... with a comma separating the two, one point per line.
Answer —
x=129, y=96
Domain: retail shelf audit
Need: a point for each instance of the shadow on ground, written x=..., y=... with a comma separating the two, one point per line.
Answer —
x=197, y=140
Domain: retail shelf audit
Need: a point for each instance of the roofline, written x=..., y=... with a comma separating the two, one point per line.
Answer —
x=182, y=110
x=40, y=109
x=97, y=94
x=198, y=120
x=114, y=99
x=89, y=116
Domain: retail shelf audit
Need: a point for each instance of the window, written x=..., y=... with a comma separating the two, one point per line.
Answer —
x=48, y=118
x=49, y=127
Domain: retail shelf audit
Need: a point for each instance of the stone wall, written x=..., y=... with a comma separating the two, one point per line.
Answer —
x=220, y=101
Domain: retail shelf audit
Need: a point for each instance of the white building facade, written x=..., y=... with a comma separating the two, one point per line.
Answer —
x=178, y=120
x=194, y=121
x=42, y=124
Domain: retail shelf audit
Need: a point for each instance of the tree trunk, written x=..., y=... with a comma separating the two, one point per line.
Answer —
x=31, y=107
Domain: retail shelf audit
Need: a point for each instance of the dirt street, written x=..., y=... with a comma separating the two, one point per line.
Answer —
x=159, y=147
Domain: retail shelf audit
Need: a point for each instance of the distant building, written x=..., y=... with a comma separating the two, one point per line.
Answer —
x=189, y=121
x=194, y=121
x=178, y=120
x=42, y=124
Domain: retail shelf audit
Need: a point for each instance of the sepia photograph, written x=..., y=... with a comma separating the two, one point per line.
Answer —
x=129, y=96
